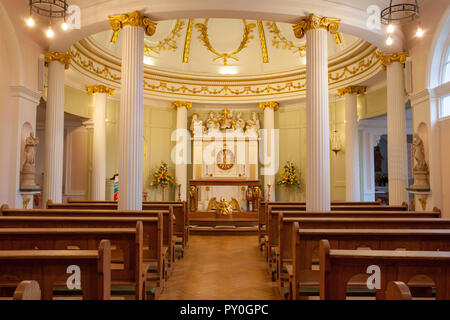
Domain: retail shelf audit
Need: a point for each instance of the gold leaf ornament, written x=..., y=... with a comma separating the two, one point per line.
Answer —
x=204, y=37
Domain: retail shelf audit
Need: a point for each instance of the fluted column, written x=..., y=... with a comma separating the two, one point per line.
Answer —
x=317, y=109
x=271, y=149
x=396, y=127
x=54, y=126
x=181, y=147
x=98, y=179
x=133, y=26
x=352, y=182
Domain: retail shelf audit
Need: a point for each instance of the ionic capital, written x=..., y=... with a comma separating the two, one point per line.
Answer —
x=135, y=19
x=315, y=22
x=63, y=58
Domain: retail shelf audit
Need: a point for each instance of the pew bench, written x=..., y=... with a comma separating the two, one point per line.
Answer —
x=154, y=260
x=273, y=227
x=127, y=268
x=48, y=267
x=305, y=273
x=338, y=266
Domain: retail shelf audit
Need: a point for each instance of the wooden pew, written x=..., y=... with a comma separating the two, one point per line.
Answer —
x=152, y=235
x=262, y=231
x=273, y=226
x=181, y=226
x=285, y=227
x=338, y=266
x=129, y=276
x=50, y=266
x=307, y=241
x=168, y=247
x=112, y=206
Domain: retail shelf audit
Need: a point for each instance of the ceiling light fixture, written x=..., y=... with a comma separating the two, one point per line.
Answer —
x=52, y=9
x=397, y=13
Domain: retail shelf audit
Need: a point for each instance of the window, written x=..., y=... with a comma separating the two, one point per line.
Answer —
x=445, y=105
x=446, y=68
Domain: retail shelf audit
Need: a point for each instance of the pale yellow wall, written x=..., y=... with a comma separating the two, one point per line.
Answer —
x=160, y=121
x=444, y=127
x=372, y=104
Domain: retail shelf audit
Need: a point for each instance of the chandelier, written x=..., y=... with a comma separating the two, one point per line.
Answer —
x=398, y=13
x=51, y=9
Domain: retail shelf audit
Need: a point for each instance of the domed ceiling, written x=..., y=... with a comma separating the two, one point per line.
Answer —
x=223, y=61
x=224, y=46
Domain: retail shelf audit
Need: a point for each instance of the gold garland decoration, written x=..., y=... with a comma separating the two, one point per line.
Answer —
x=168, y=43
x=204, y=37
x=362, y=65
x=89, y=66
x=279, y=40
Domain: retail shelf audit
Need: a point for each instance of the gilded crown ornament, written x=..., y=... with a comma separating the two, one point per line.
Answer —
x=270, y=104
x=100, y=89
x=387, y=59
x=63, y=58
x=351, y=90
x=315, y=22
x=135, y=19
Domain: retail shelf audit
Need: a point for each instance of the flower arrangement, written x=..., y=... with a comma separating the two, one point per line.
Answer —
x=289, y=177
x=162, y=177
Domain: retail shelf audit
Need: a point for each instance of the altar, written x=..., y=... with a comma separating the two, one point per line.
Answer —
x=225, y=190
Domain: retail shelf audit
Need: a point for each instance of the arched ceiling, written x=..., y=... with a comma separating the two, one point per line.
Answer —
x=224, y=47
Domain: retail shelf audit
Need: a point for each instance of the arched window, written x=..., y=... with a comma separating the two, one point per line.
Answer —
x=445, y=77
x=446, y=67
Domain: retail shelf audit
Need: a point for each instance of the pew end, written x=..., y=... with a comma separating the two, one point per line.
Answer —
x=27, y=290
x=398, y=290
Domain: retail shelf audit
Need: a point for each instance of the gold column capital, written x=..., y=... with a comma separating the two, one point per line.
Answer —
x=100, y=89
x=179, y=104
x=135, y=19
x=351, y=90
x=270, y=104
x=315, y=22
x=63, y=58
x=387, y=59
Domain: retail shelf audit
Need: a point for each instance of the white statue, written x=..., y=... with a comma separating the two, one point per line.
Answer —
x=239, y=123
x=420, y=169
x=212, y=123
x=253, y=125
x=226, y=120
x=197, y=127
x=29, y=166
x=418, y=151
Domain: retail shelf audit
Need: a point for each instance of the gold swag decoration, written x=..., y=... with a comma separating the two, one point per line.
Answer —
x=135, y=19
x=204, y=37
x=100, y=89
x=64, y=58
x=315, y=22
x=351, y=90
x=387, y=59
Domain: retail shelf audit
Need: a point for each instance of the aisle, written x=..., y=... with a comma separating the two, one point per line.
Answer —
x=221, y=267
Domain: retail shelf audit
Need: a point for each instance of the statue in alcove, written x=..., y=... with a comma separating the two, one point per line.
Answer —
x=420, y=169
x=28, y=181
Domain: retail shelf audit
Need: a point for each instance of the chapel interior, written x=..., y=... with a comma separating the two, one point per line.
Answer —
x=208, y=150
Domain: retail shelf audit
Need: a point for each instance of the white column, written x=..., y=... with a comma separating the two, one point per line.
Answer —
x=98, y=179
x=369, y=141
x=352, y=183
x=54, y=127
x=316, y=29
x=396, y=125
x=182, y=148
x=271, y=147
x=131, y=119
